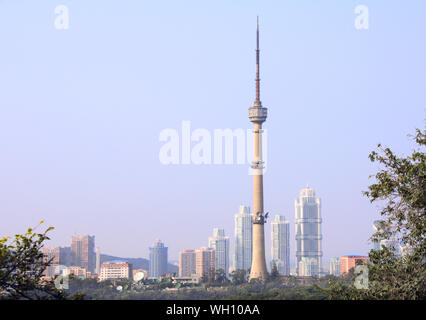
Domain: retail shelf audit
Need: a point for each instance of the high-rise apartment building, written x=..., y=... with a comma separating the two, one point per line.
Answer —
x=205, y=263
x=98, y=261
x=60, y=258
x=158, y=257
x=280, y=244
x=349, y=262
x=308, y=230
x=115, y=270
x=243, y=239
x=187, y=263
x=83, y=252
x=376, y=243
x=220, y=243
x=335, y=266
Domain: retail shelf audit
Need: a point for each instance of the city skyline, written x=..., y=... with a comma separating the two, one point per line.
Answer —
x=220, y=244
x=75, y=152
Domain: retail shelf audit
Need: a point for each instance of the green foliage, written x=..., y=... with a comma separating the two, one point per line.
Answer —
x=274, y=272
x=22, y=266
x=220, y=277
x=272, y=290
x=238, y=277
x=400, y=185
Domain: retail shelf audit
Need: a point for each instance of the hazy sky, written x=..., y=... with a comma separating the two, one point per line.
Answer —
x=81, y=111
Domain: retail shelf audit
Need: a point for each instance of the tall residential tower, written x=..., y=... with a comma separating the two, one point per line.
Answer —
x=158, y=257
x=83, y=252
x=243, y=239
x=308, y=232
x=280, y=244
x=220, y=244
x=187, y=263
x=257, y=115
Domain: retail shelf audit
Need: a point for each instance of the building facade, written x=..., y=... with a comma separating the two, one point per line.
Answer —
x=115, y=270
x=83, y=252
x=243, y=249
x=280, y=245
x=187, y=263
x=79, y=272
x=308, y=267
x=60, y=258
x=158, y=259
x=308, y=229
x=98, y=261
x=220, y=244
x=205, y=263
x=335, y=266
x=349, y=262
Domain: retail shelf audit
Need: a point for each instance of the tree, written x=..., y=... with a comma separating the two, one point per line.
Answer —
x=274, y=272
x=22, y=265
x=238, y=276
x=220, y=276
x=400, y=185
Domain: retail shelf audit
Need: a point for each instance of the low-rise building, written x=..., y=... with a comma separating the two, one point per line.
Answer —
x=76, y=271
x=349, y=262
x=115, y=270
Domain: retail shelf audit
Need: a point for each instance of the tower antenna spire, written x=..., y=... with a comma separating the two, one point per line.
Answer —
x=257, y=62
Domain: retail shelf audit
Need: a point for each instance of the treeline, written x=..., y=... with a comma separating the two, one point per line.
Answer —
x=275, y=288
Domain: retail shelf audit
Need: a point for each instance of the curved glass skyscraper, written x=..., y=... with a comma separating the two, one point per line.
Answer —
x=158, y=257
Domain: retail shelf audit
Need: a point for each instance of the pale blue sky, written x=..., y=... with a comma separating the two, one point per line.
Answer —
x=81, y=111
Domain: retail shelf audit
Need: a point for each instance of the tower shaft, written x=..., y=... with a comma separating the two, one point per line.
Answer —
x=258, y=268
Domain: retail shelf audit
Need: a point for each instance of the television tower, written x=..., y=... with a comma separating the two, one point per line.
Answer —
x=257, y=115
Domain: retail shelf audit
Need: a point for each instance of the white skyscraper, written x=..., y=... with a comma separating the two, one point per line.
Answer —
x=308, y=267
x=98, y=261
x=308, y=231
x=243, y=239
x=220, y=243
x=376, y=244
x=335, y=266
x=280, y=244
